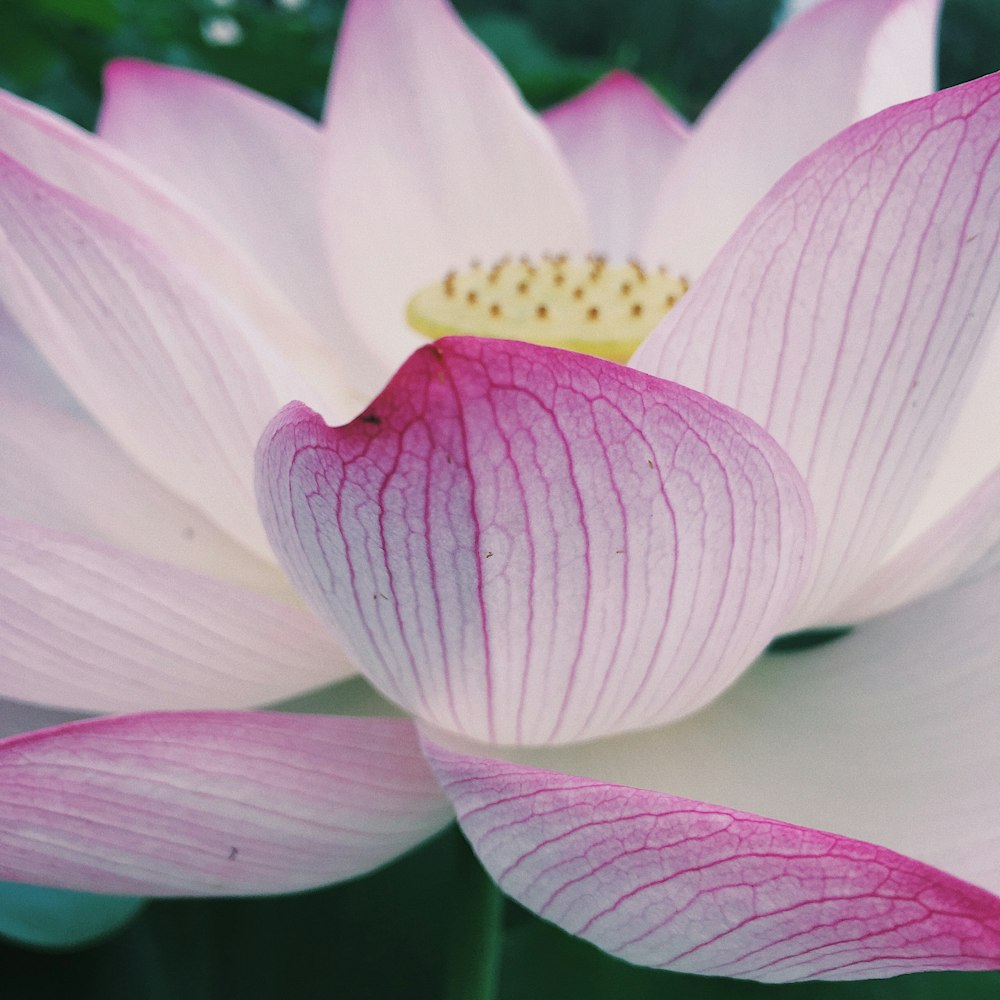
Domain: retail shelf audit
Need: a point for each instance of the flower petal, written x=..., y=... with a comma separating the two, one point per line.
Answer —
x=250, y=164
x=212, y=803
x=180, y=378
x=433, y=159
x=677, y=884
x=840, y=62
x=848, y=313
x=619, y=139
x=87, y=627
x=886, y=737
x=61, y=470
x=967, y=541
x=528, y=545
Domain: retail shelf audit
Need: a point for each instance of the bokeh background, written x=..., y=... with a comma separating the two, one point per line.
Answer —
x=402, y=932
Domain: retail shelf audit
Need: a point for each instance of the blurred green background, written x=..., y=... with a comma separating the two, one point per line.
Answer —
x=396, y=933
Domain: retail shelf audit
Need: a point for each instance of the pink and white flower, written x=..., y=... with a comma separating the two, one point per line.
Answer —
x=563, y=568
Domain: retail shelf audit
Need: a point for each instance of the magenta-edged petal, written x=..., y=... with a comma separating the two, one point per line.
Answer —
x=212, y=803
x=250, y=164
x=433, y=159
x=91, y=628
x=619, y=139
x=181, y=379
x=528, y=545
x=967, y=541
x=677, y=884
x=848, y=313
x=61, y=470
x=835, y=64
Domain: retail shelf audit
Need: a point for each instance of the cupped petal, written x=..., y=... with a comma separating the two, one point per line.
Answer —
x=848, y=314
x=59, y=469
x=432, y=160
x=212, y=803
x=833, y=65
x=250, y=164
x=528, y=545
x=966, y=541
x=90, y=628
x=619, y=140
x=667, y=882
x=887, y=739
x=179, y=377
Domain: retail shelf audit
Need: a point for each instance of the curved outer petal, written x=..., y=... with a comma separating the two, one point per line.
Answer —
x=887, y=737
x=61, y=470
x=847, y=315
x=181, y=379
x=838, y=63
x=251, y=164
x=81, y=164
x=87, y=627
x=967, y=541
x=433, y=160
x=664, y=881
x=528, y=545
x=619, y=140
x=212, y=803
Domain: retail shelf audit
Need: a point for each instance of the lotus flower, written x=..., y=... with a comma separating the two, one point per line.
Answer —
x=561, y=566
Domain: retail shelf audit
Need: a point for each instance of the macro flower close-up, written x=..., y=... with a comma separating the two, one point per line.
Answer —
x=625, y=488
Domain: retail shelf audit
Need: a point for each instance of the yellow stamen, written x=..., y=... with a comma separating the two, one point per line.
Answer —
x=591, y=306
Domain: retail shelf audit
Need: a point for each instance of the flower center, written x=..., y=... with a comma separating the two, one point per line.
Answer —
x=589, y=306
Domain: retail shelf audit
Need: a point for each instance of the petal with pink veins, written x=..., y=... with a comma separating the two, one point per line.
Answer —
x=212, y=803
x=837, y=63
x=90, y=628
x=619, y=139
x=250, y=164
x=887, y=739
x=528, y=545
x=181, y=379
x=432, y=160
x=849, y=313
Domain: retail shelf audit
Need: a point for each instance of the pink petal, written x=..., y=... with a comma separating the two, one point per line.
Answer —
x=967, y=541
x=838, y=63
x=178, y=377
x=250, y=164
x=887, y=737
x=61, y=470
x=433, y=159
x=528, y=545
x=848, y=314
x=82, y=165
x=90, y=628
x=619, y=139
x=211, y=803
x=676, y=884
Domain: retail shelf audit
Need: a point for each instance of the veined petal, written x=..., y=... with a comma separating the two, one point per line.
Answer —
x=848, y=313
x=672, y=883
x=83, y=165
x=966, y=541
x=433, y=159
x=619, y=140
x=212, y=803
x=835, y=64
x=886, y=738
x=528, y=545
x=90, y=628
x=179, y=377
x=249, y=163
x=61, y=470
